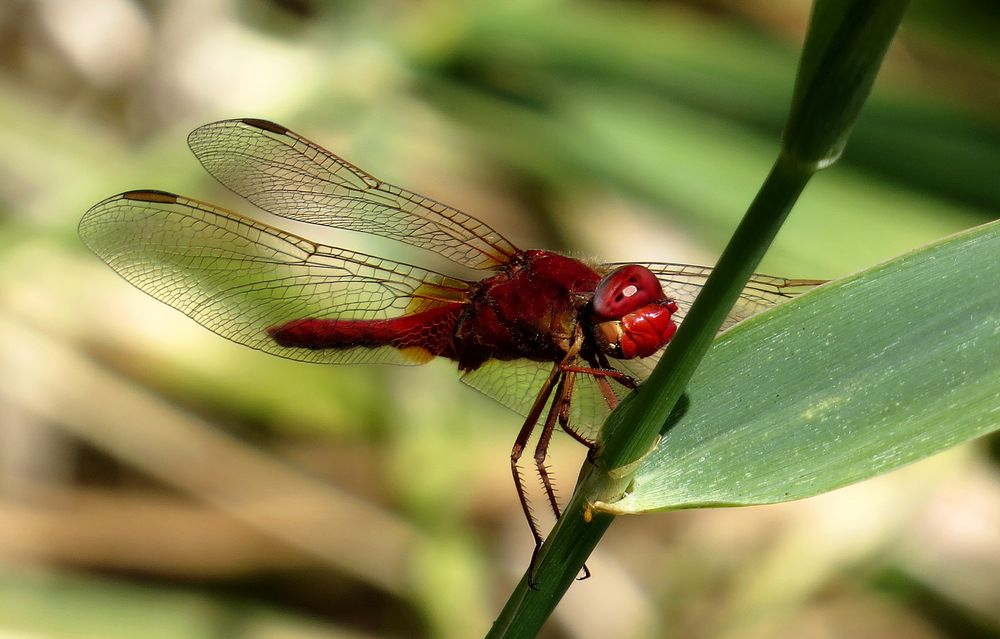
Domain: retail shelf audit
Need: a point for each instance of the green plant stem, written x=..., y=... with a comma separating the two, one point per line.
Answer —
x=559, y=564
x=843, y=52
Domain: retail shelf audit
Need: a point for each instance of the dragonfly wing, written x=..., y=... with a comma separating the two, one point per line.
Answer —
x=589, y=408
x=287, y=175
x=683, y=282
x=513, y=383
x=516, y=383
x=238, y=277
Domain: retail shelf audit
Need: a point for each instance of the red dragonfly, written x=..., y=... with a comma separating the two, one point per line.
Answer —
x=543, y=333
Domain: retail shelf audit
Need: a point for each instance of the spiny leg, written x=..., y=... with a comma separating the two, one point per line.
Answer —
x=541, y=452
x=558, y=412
x=601, y=361
x=591, y=445
x=600, y=369
x=519, y=444
x=564, y=416
x=603, y=373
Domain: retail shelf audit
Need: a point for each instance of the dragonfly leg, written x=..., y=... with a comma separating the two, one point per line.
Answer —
x=564, y=417
x=589, y=443
x=558, y=412
x=542, y=447
x=564, y=414
x=601, y=371
x=515, y=455
x=627, y=381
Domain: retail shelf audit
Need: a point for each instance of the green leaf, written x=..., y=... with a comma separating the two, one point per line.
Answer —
x=855, y=379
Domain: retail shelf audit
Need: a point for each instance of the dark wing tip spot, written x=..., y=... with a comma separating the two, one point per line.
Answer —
x=267, y=125
x=150, y=195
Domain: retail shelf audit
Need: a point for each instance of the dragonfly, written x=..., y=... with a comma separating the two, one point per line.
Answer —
x=558, y=339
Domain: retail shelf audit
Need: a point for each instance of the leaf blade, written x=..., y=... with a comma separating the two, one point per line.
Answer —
x=860, y=377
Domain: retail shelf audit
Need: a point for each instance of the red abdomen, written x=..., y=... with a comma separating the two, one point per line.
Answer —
x=431, y=330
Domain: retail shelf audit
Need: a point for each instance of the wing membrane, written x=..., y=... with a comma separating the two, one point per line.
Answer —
x=515, y=384
x=238, y=277
x=286, y=174
x=683, y=282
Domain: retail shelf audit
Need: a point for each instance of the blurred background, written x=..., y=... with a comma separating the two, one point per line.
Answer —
x=159, y=481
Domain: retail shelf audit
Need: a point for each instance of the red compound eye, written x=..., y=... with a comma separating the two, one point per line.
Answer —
x=625, y=290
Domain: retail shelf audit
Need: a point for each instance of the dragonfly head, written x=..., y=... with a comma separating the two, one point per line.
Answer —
x=633, y=317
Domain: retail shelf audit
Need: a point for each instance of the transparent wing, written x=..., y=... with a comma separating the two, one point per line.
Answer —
x=683, y=282
x=516, y=383
x=287, y=175
x=238, y=277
